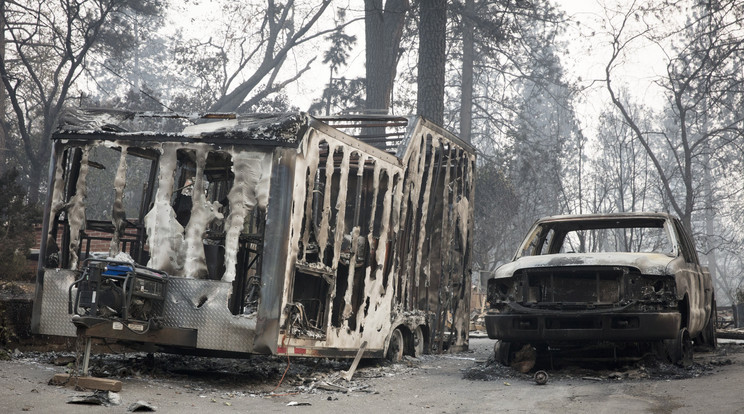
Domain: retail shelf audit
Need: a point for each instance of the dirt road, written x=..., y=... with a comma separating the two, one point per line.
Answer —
x=459, y=383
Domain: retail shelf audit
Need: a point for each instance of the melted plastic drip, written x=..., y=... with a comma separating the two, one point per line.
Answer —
x=164, y=232
x=250, y=185
x=118, y=215
x=202, y=214
x=76, y=209
x=57, y=198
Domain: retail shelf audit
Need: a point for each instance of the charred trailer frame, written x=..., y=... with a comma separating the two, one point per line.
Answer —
x=270, y=234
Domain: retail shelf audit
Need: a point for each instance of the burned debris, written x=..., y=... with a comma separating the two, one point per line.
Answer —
x=269, y=234
x=602, y=366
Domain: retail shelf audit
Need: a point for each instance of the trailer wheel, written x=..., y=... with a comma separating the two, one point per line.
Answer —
x=396, y=346
x=419, y=342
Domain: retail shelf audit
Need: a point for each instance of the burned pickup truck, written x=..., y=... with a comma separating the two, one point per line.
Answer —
x=630, y=280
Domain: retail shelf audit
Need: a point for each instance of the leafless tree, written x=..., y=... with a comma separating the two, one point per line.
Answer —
x=283, y=27
x=624, y=171
x=702, y=90
x=46, y=48
x=702, y=117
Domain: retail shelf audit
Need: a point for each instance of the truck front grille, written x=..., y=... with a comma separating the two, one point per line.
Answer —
x=579, y=286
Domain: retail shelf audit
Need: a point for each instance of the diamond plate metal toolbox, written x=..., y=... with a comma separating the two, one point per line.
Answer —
x=203, y=305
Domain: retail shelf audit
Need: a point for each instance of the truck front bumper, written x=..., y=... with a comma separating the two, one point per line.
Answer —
x=577, y=327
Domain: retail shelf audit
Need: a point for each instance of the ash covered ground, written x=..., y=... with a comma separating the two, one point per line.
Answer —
x=465, y=382
x=267, y=374
x=258, y=375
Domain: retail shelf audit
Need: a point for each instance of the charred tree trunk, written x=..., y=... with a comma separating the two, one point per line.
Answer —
x=383, y=31
x=3, y=109
x=468, y=55
x=432, y=56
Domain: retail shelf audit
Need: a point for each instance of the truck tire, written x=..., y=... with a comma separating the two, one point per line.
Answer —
x=679, y=350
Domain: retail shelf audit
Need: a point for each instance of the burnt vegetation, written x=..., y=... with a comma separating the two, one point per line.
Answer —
x=17, y=218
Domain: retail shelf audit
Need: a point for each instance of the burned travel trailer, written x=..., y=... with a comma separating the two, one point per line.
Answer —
x=261, y=234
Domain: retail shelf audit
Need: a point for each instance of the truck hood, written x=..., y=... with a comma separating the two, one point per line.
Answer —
x=646, y=263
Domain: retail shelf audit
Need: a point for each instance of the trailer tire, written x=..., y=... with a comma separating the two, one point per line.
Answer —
x=396, y=346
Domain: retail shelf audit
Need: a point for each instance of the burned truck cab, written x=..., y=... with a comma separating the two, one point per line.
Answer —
x=261, y=233
x=618, y=279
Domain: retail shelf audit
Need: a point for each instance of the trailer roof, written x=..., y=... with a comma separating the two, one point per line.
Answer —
x=283, y=129
x=257, y=129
